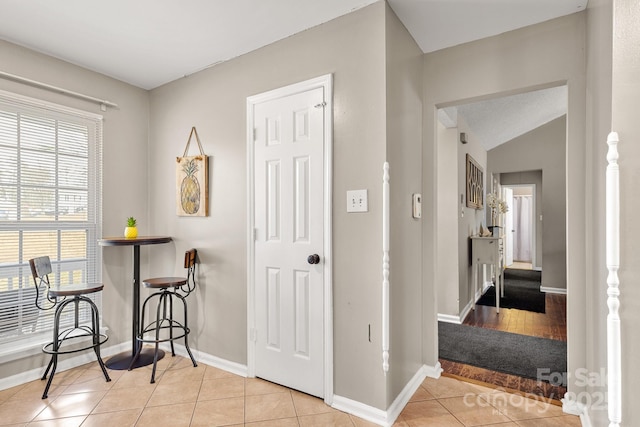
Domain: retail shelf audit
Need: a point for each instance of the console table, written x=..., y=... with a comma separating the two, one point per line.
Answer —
x=487, y=251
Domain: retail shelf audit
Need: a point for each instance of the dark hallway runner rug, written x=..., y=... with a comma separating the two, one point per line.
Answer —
x=521, y=291
x=505, y=352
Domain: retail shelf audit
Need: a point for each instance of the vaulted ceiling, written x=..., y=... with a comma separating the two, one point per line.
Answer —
x=496, y=121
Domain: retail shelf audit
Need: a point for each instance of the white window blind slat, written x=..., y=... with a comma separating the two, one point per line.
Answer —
x=50, y=204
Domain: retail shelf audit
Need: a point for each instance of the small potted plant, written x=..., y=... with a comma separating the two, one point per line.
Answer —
x=131, y=231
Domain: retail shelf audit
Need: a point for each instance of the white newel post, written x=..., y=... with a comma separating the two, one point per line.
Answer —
x=613, y=282
x=385, y=267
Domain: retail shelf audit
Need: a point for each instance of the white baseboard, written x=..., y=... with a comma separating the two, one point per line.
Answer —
x=486, y=285
x=64, y=364
x=208, y=359
x=458, y=320
x=576, y=408
x=388, y=417
x=360, y=410
x=466, y=311
x=449, y=318
x=433, y=371
x=548, y=290
x=393, y=412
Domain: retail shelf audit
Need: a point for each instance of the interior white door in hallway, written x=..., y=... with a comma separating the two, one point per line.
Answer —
x=523, y=217
x=289, y=252
x=508, y=226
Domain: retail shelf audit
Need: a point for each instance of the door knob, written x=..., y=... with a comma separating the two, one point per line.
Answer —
x=313, y=259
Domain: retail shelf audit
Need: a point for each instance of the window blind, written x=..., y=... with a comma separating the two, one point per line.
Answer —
x=50, y=204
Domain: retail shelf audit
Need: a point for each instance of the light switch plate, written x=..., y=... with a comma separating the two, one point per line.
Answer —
x=357, y=201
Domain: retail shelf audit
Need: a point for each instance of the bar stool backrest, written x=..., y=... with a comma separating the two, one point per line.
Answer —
x=40, y=270
x=190, y=264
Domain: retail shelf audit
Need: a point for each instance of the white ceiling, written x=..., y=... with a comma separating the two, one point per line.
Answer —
x=437, y=24
x=148, y=43
x=151, y=42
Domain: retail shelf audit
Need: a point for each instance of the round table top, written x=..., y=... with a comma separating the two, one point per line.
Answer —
x=140, y=240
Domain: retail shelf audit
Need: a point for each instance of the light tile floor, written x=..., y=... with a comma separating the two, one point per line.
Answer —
x=207, y=396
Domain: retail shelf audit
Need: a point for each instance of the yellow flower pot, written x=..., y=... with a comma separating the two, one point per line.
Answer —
x=131, y=232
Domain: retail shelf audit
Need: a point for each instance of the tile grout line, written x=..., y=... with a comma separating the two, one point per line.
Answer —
x=195, y=405
x=352, y=419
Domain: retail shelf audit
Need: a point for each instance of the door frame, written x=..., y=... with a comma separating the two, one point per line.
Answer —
x=534, y=221
x=508, y=230
x=325, y=82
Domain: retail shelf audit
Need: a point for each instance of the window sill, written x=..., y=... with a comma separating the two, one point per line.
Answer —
x=22, y=348
x=28, y=346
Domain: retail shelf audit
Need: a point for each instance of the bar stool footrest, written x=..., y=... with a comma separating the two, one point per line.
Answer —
x=76, y=347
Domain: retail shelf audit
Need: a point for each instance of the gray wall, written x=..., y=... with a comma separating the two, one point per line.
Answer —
x=470, y=219
x=214, y=101
x=530, y=58
x=599, y=84
x=624, y=113
x=404, y=152
x=542, y=149
x=449, y=207
x=125, y=183
x=377, y=117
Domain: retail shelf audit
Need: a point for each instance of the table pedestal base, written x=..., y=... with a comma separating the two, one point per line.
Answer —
x=121, y=362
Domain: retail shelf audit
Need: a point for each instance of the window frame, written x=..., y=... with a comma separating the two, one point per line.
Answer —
x=90, y=267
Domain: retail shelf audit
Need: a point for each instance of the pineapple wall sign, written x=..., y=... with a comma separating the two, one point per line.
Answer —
x=192, y=181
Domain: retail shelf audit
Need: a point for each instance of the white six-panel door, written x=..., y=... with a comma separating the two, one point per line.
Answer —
x=289, y=218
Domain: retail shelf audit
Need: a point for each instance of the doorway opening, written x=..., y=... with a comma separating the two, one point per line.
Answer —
x=520, y=234
x=514, y=169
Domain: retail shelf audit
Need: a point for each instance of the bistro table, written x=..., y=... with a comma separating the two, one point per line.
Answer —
x=123, y=360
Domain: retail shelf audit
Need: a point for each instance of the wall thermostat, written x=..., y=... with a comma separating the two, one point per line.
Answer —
x=417, y=206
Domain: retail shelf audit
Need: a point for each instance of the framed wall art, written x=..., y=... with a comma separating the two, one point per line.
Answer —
x=475, y=184
x=192, y=181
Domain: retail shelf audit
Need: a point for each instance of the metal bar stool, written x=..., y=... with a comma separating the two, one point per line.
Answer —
x=165, y=327
x=72, y=339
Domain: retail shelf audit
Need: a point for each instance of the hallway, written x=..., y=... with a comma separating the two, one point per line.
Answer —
x=551, y=324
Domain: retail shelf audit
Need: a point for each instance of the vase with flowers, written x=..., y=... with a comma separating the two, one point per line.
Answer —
x=498, y=206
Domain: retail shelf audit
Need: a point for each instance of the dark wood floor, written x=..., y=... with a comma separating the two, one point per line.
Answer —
x=551, y=324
